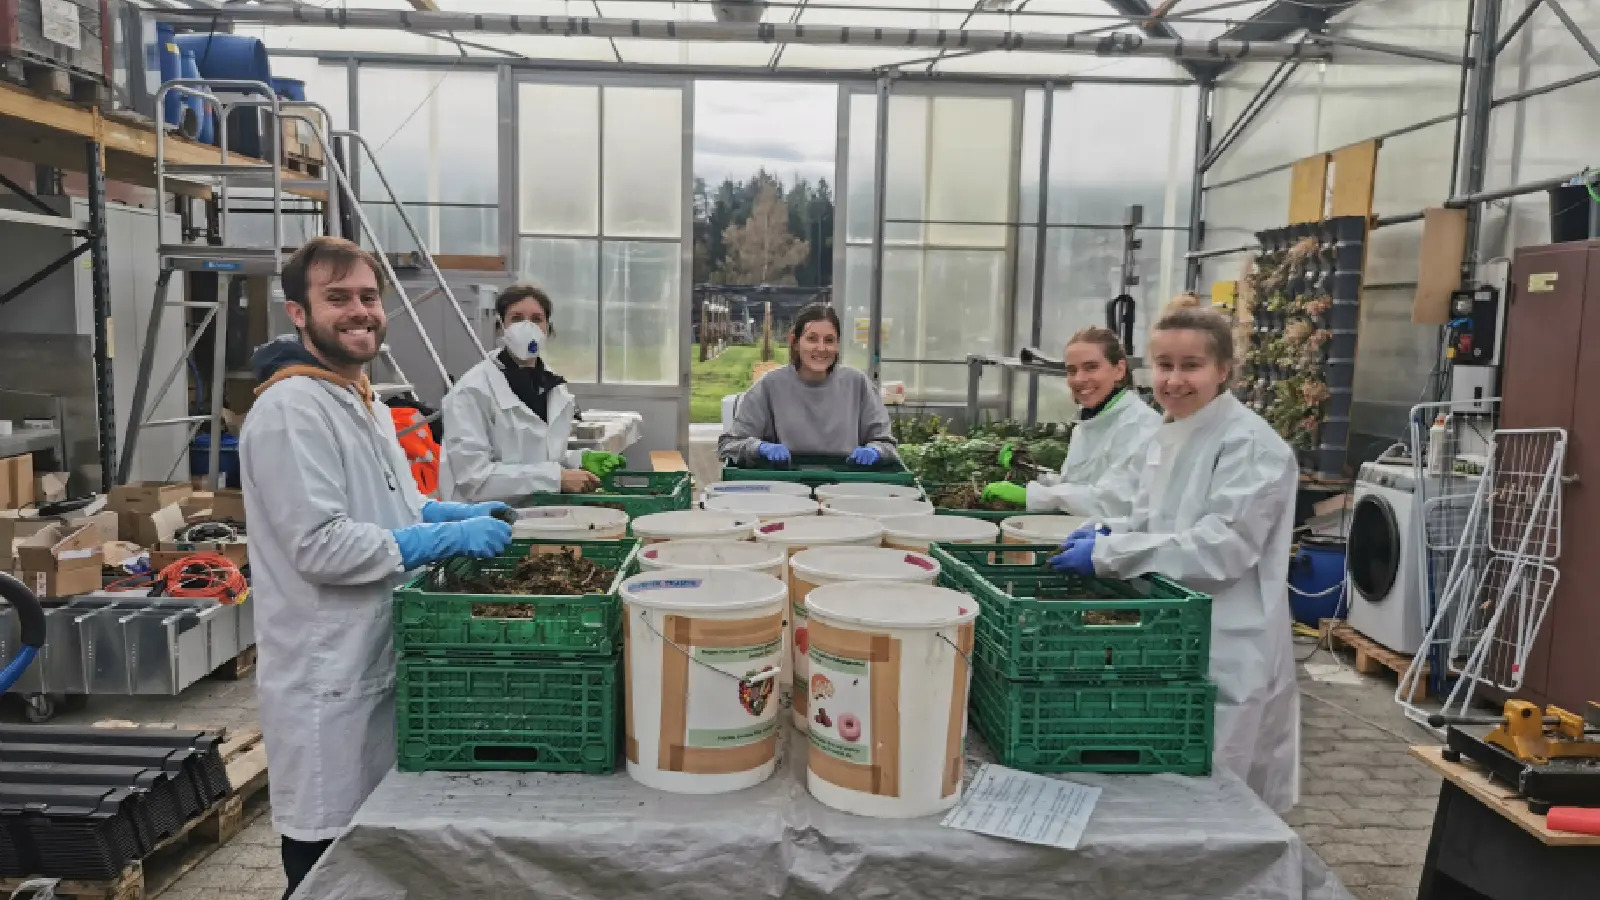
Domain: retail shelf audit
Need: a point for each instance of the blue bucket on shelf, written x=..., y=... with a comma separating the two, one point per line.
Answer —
x=171, y=61
x=290, y=89
x=233, y=57
x=227, y=459
x=1316, y=580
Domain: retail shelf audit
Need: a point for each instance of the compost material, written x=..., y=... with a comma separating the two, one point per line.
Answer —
x=967, y=496
x=561, y=574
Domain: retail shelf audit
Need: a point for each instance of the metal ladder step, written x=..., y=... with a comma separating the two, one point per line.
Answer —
x=230, y=171
x=391, y=390
x=208, y=258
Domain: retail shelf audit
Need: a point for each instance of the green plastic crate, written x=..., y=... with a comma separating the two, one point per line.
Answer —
x=988, y=515
x=1041, y=624
x=1047, y=728
x=508, y=716
x=635, y=493
x=819, y=470
x=430, y=623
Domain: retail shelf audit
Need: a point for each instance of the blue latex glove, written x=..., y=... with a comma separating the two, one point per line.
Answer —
x=776, y=453
x=1087, y=531
x=436, y=511
x=480, y=537
x=1076, y=557
x=865, y=456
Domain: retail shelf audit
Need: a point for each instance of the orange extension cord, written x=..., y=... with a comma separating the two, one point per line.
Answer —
x=198, y=576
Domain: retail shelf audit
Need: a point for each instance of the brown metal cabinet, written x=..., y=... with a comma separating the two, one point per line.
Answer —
x=1550, y=378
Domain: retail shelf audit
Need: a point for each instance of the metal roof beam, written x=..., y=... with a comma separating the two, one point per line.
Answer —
x=1139, y=13
x=1278, y=21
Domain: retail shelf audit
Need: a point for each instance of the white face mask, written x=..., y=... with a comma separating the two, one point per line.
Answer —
x=524, y=340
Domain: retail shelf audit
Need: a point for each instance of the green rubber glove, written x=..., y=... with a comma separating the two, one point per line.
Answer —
x=1006, y=492
x=601, y=463
x=1005, y=456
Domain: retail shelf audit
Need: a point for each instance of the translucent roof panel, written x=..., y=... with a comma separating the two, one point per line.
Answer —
x=1192, y=20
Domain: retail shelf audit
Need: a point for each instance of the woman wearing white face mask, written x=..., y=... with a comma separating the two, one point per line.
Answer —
x=1214, y=510
x=1108, y=441
x=507, y=420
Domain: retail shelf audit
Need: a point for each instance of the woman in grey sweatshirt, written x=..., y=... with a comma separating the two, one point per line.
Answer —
x=812, y=407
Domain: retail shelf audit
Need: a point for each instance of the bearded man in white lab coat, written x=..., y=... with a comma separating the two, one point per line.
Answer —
x=335, y=523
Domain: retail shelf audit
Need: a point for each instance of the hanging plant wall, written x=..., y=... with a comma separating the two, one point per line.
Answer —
x=1301, y=306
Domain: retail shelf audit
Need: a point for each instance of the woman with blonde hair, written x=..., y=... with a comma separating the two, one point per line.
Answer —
x=1214, y=509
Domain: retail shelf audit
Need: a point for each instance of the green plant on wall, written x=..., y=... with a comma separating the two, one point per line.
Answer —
x=1281, y=373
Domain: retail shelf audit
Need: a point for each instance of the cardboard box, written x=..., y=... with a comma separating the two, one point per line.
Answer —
x=172, y=551
x=228, y=504
x=14, y=527
x=50, y=487
x=16, y=481
x=59, y=562
x=152, y=529
x=147, y=496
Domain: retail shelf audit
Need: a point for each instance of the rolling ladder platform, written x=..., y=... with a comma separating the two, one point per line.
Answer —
x=228, y=261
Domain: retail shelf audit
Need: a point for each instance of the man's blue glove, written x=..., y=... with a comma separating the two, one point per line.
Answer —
x=436, y=511
x=1076, y=558
x=1087, y=531
x=774, y=453
x=480, y=537
x=865, y=456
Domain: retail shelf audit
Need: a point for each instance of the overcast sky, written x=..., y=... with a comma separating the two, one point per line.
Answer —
x=742, y=126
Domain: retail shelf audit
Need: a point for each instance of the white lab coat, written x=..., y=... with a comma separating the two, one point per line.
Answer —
x=495, y=447
x=1215, y=511
x=1101, y=471
x=324, y=482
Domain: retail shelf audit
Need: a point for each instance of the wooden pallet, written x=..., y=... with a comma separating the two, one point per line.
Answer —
x=51, y=79
x=178, y=855
x=294, y=162
x=238, y=668
x=1371, y=656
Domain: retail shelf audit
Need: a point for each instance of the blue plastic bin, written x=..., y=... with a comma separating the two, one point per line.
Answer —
x=1316, y=581
x=228, y=459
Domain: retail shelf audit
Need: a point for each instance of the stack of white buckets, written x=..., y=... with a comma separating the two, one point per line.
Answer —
x=755, y=602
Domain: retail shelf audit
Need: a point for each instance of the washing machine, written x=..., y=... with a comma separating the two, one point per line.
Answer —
x=1384, y=554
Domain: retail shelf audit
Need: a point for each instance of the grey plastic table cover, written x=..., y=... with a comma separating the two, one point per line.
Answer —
x=572, y=837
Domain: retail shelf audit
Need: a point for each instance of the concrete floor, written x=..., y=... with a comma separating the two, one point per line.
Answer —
x=1366, y=807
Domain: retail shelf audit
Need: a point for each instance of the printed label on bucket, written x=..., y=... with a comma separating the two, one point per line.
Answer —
x=840, y=696
x=719, y=693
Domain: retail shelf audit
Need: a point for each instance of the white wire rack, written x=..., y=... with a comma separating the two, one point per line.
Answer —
x=1502, y=545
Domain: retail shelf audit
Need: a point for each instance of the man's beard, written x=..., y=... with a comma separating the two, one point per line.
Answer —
x=325, y=340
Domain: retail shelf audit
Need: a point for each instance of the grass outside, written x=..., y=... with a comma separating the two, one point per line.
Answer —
x=726, y=374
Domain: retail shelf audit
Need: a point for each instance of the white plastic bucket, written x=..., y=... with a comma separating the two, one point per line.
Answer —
x=1039, y=529
x=570, y=523
x=704, y=656
x=889, y=682
x=810, y=569
x=694, y=524
x=766, y=507
x=917, y=532
x=790, y=488
x=699, y=554
x=801, y=532
x=876, y=507
x=868, y=489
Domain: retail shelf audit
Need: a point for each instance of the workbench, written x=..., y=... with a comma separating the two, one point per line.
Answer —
x=1486, y=844
x=510, y=835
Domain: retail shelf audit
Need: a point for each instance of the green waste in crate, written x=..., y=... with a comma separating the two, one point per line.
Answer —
x=819, y=470
x=988, y=515
x=1048, y=625
x=433, y=623
x=635, y=493
x=1040, y=727
x=508, y=715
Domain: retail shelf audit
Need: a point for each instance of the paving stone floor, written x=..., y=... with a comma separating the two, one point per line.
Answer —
x=1366, y=807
